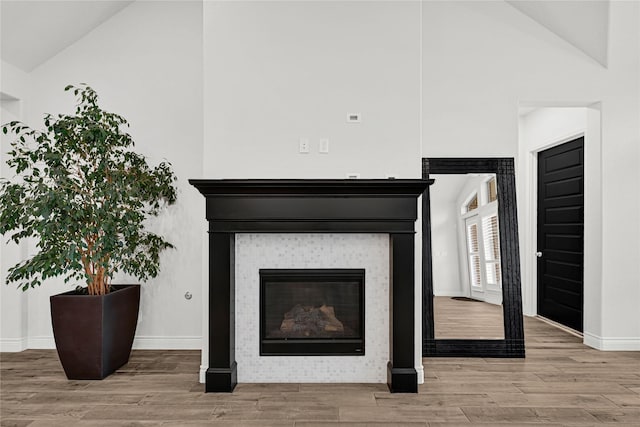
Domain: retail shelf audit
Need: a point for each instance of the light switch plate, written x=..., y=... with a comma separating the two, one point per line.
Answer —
x=324, y=146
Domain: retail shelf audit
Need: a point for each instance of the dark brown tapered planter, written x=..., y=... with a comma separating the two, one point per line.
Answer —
x=94, y=333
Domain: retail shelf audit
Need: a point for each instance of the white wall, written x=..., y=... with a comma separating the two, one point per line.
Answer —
x=448, y=277
x=620, y=174
x=279, y=71
x=13, y=302
x=447, y=272
x=146, y=64
x=481, y=60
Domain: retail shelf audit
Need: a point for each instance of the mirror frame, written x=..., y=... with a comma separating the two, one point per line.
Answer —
x=513, y=343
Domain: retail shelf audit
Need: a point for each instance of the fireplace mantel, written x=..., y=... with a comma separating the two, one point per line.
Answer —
x=311, y=206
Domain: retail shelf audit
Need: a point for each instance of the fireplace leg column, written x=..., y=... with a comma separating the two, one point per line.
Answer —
x=402, y=376
x=221, y=375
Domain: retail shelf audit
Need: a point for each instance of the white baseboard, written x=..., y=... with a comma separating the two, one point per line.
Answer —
x=203, y=373
x=13, y=345
x=612, y=344
x=451, y=293
x=139, y=343
x=41, y=343
x=420, y=370
x=167, y=343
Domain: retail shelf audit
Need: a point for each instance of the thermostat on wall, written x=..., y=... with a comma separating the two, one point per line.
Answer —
x=354, y=118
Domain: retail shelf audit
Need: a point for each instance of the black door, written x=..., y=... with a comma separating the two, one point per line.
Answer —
x=561, y=233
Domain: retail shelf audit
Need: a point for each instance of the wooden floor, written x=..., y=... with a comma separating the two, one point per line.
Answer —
x=467, y=319
x=561, y=382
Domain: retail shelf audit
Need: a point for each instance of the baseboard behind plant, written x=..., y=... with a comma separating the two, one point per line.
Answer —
x=139, y=343
x=13, y=345
x=167, y=343
x=41, y=343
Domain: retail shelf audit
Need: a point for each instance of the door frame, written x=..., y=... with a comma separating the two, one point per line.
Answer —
x=527, y=171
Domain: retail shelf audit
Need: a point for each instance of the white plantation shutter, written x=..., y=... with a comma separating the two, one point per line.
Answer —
x=491, y=246
x=474, y=255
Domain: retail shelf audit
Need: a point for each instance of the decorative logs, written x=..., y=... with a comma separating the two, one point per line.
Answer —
x=307, y=321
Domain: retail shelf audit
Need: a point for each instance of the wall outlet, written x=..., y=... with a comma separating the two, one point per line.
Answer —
x=303, y=145
x=324, y=146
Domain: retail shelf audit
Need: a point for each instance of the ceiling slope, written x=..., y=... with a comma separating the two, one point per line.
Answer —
x=582, y=23
x=34, y=31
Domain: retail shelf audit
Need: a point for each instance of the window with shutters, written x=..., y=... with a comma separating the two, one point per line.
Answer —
x=479, y=216
x=472, y=204
x=492, y=190
x=473, y=249
x=491, y=251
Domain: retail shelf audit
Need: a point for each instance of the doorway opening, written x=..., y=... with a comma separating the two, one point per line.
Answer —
x=562, y=245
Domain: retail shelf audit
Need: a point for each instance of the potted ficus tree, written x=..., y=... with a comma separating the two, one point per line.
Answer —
x=83, y=196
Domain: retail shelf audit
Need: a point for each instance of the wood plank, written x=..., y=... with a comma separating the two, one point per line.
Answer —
x=552, y=400
x=622, y=415
x=624, y=400
x=308, y=411
x=147, y=412
x=582, y=387
x=405, y=413
x=532, y=415
x=433, y=399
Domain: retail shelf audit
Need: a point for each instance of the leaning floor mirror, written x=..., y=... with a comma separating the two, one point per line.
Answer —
x=472, y=300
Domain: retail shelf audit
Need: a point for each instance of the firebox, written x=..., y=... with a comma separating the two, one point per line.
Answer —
x=311, y=312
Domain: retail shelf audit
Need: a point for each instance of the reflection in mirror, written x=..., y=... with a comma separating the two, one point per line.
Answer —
x=467, y=279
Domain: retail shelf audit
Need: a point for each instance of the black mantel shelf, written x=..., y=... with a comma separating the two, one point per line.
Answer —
x=316, y=186
x=310, y=206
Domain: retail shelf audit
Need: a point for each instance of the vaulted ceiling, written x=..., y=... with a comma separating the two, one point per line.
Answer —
x=34, y=31
x=583, y=24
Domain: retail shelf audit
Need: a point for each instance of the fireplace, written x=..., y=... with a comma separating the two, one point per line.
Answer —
x=311, y=312
x=311, y=206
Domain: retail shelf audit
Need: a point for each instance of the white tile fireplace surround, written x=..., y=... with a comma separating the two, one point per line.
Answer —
x=312, y=251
